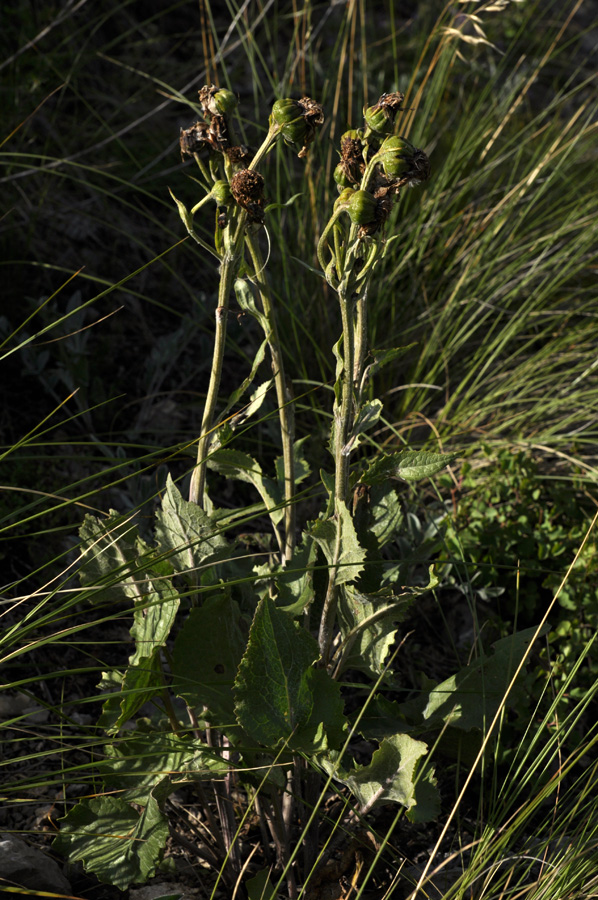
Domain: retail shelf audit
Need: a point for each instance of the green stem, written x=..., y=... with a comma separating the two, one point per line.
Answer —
x=228, y=271
x=343, y=420
x=284, y=393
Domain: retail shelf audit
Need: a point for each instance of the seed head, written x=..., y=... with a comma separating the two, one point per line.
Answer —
x=212, y=135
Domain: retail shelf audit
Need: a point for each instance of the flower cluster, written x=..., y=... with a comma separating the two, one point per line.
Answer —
x=231, y=176
x=375, y=164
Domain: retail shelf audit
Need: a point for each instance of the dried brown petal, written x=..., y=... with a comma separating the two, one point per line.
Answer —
x=194, y=139
x=238, y=155
x=247, y=188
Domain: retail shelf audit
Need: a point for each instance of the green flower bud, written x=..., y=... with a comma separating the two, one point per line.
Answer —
x=341, y=178
x=378, y=120
x=380, y=117
x=344, y=198
x=396, y=155
x=225, y=102
x=403, y=162
x=222, y=193
x=362, y=207
x=286, y=111
x=216, y=101
x=297, y=120
x=354, y=134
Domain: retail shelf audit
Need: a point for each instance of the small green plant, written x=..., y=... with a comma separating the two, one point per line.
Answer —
x=239, y=684
x=513, y=534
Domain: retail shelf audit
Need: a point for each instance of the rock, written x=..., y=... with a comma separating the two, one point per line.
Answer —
x=25, y=866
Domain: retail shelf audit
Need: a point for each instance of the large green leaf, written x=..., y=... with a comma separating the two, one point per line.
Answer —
x=186, y=533
x=134, y=767
x=471, y=698
x=207, y=653
x=347, y=553
x=391, y=776
x=272, y=689
x=409, y=465
x=114, y=841
x=326, y=726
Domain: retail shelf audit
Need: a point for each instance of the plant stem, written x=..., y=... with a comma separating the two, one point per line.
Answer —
x=284, y=394
x=343, y=420
x=229, y=268
x=228, y=271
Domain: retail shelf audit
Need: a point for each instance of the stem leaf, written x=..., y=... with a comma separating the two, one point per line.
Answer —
x=186, y=533
x=347, y=554
x=409, y=465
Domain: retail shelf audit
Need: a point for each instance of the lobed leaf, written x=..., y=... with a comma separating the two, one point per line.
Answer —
x=348, y=555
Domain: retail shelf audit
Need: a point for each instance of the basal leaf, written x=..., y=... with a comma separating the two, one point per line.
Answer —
x=260, y=887
x=272, y=689
x=134, y=767
x=207, y=653
x=326, y=726
x=471, y=698
x=153, y=618
x=349, y=556
x=114, y=841
x=409, y=465
x=186, y=533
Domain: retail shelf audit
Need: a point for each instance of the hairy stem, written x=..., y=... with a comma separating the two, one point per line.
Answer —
x=284, y=393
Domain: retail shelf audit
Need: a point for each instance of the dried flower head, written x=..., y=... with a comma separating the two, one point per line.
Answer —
x=212, y=135
x=194, y=139
x=240, y=155
x=352, y=163
x=247, y=187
